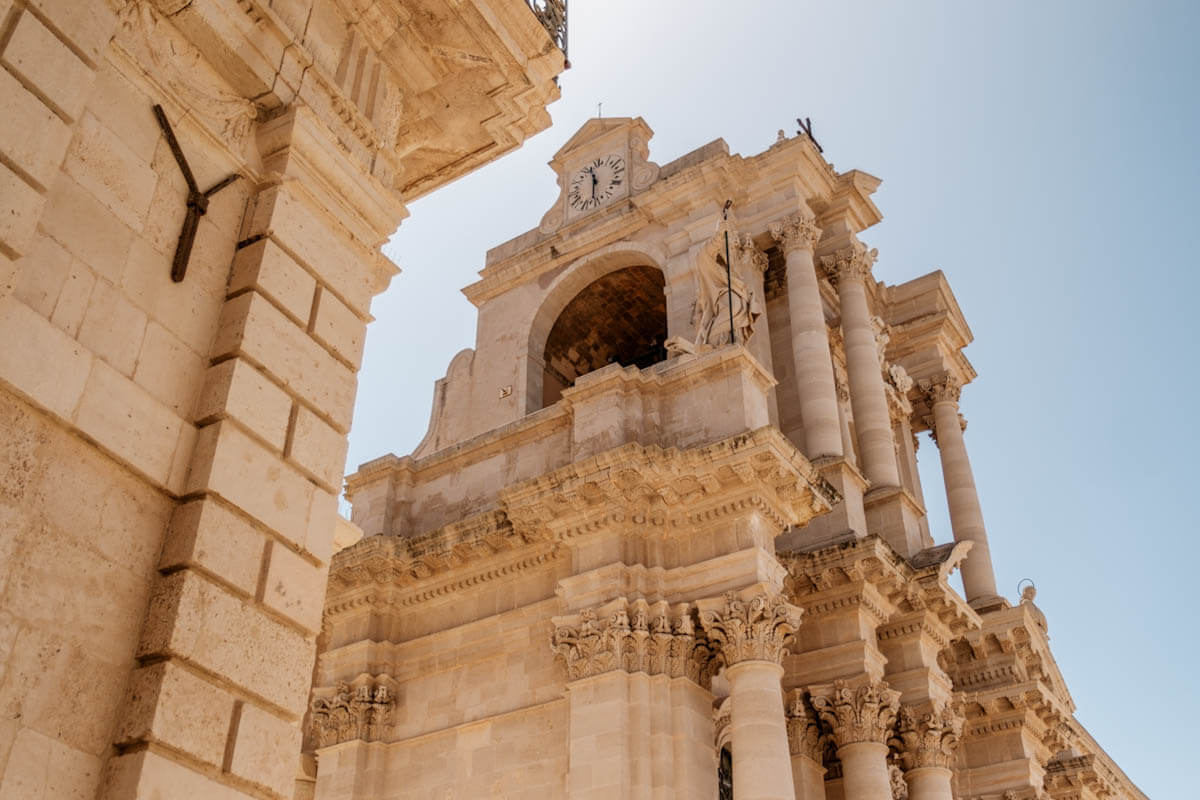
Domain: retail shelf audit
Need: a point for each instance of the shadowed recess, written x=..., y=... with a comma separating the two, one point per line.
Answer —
x=621, y=317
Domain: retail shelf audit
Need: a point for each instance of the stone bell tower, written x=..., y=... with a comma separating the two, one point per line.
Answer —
x=666, y=536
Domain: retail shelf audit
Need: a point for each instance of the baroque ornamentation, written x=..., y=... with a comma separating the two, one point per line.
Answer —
x=757, y=629
x=899, y=785
x=753, y=260
x=352, y=712
x=722, y=716
x=943, y=389
x=643, y=172
x=900, y=378
x=717, y=292
x=864, y=714
x=633, y=637
x=176, y=63
x=929, y=739
x=852, y=263
x=795, y=232
x=805, y=737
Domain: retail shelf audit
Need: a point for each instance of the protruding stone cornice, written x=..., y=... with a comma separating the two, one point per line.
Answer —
x=633, y=636
x=752, y=625
x=805, y=735
x=868, y=573
x=928, y=738
x=795, y=232
x=850, y=263
x=865, y=713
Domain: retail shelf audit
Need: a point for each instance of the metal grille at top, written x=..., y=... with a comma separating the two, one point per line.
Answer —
x=553, y=16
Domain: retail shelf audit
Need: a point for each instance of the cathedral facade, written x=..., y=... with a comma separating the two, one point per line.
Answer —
x=666, y=536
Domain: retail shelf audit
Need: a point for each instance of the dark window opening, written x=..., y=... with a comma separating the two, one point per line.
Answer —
x=618, y=318
x=725, y=775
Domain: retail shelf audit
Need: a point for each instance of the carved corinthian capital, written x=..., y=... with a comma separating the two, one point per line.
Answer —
x=805, y=737
x=795, y=233
x=753, y=260
x=850, y=263
x=928, y=739
x=757, y=628
x=941, y=389
x=865, y=714
x=635, y=637
x=351, y=712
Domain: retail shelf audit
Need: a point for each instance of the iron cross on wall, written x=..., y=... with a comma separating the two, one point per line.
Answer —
x=197, y=201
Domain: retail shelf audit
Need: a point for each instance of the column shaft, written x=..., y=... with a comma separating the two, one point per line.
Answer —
x=758, y=732
x=928, y=783
x=966, y=517
x=808, y=778
x=810, y=349
x=864, y=771
x=868, y=399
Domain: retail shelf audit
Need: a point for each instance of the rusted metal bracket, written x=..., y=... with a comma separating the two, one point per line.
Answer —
x=197, y=201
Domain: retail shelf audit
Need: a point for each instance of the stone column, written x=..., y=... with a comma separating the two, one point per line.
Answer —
x=926, y=743
x=966, y=517
x=851, y=268
x=861, y=720
x=750, y=631
x=807, y=744
x=810, y=344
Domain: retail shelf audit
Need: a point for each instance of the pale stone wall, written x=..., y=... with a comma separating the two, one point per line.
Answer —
x=173, y=450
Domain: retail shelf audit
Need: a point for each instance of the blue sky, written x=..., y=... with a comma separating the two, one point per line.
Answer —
x=1042, y=155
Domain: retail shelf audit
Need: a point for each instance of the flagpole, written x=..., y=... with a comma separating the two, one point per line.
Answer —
x=728, y=274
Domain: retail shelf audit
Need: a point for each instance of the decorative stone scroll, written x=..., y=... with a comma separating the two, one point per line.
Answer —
x=795, y=233
x=717, y=292
x=722, y=716
x=754, y=629
x=852, y=262
x=863, y=714
x=929, y=739
x=634, y=637
x=805, y=737
x=353, y=712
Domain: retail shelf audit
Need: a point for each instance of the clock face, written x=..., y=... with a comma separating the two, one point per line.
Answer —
x=596, y=183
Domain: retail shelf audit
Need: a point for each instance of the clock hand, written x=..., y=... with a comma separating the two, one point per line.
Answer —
x=594, y=182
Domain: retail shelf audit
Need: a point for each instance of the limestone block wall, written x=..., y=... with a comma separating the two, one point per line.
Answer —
x=172, y=451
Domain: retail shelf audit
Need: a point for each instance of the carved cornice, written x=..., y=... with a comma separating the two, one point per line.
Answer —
x=633, y=637
x=362, y=712
x=795, y=232
x=805, y=736
x=850, y=263
x=928, y=739
x=863, y=714
x=757, y=627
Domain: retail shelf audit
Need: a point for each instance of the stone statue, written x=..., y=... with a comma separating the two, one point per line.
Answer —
x=714, y=289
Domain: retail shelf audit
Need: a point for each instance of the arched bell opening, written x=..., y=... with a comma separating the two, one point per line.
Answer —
x=621, y=317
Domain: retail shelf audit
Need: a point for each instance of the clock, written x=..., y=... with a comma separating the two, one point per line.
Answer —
x=596, y=183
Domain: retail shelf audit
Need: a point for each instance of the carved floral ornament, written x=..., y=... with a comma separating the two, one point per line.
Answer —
x=805, y=737
x=928, y=739
x=795, y=233
x=853, y=263
x=352, y=712
x=945, y=388
x=862, y=714
x=758, y=628
x=634, y=637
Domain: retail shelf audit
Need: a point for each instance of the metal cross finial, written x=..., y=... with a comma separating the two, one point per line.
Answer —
x=197, y=201
x=806, y=129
